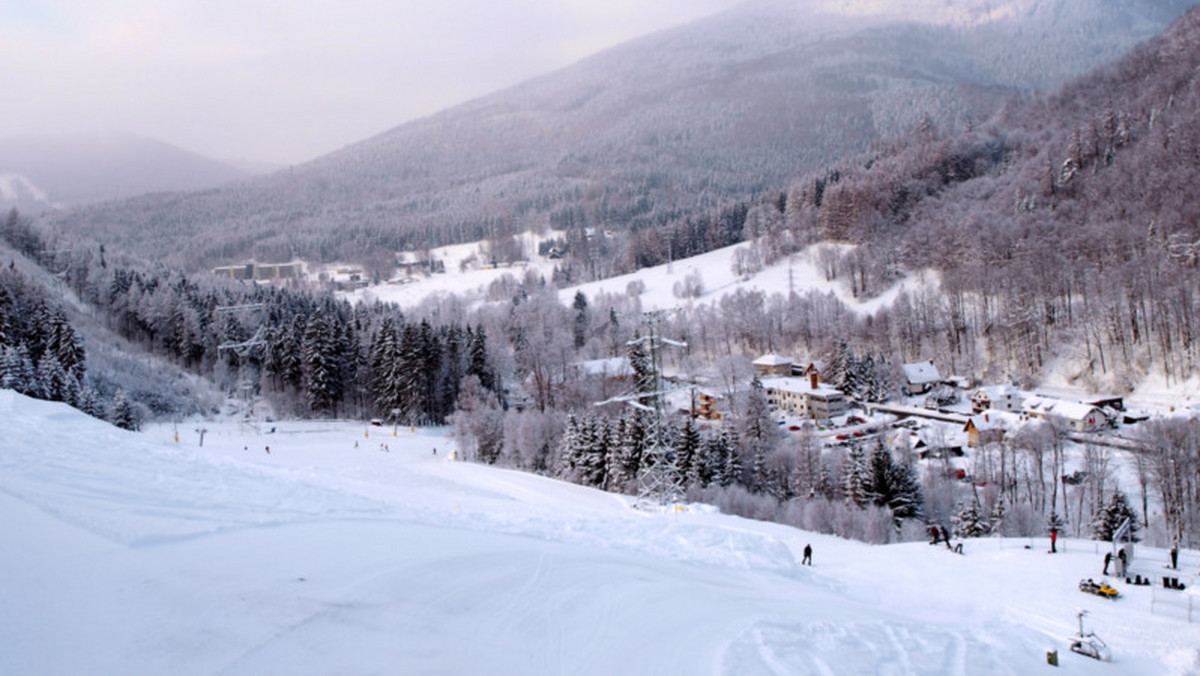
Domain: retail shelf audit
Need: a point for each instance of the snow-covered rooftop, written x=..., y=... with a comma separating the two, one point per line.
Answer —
x=921, y=373
x=799, y=385
x=1071, y=410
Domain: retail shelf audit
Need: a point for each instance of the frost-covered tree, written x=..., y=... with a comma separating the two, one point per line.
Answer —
x=1108, y=519
x=123, y=413
x=687, y=447
x=967, y=521
x=854, y=478
x=321, y=360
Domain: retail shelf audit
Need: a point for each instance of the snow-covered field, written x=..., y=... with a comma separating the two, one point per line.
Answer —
x=135, y=554
x=798, y=272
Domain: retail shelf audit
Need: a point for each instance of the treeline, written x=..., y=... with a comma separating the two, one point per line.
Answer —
x=311, y=355
x=42, y=356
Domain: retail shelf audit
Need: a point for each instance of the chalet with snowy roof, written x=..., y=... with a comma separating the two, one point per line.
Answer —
x=1081, y=417
x=920, y=377
x=807, y=369
x=773, y=365
x=932, y=443
x=983, y=429
x=804, y=397
x=997, y=398
x=1113, y=402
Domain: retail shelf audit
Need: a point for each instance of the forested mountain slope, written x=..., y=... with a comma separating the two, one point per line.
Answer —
x=1066, y=228
x=649, y=132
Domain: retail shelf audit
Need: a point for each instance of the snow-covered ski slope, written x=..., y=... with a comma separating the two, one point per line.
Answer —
x=799, y=273
x=133, y=554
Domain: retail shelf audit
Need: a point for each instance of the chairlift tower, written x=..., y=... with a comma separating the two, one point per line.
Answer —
x=244, y=349
x=659, y=481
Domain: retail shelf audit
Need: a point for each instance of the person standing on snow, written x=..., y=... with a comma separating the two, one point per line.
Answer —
x=1174, y=557
x=807, y=560
x=1107, y=560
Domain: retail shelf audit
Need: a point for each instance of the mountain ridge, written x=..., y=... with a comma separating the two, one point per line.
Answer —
x=634, y=137
x=76, y=169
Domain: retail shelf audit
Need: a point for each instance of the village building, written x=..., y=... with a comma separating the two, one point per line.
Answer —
x=983, y=429
x=920, y=377
x=706, y=405
x=804, y=397
x=773, y=365
x=1079, y=416
x=997, y=398
x=808, y=369
x=263, y=271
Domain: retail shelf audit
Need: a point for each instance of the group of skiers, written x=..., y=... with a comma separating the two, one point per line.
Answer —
x=940, y=534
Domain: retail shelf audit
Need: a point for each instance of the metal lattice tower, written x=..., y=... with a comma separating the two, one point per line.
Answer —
x=243, y=349
x=659, y=481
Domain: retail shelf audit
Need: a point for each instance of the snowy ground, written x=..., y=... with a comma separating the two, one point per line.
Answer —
x=132, y=553
x=798, y=273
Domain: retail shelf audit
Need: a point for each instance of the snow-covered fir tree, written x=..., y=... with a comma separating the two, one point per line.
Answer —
x=1109, y=518
x=967, y=521
x=854, y=477
x=123, y=413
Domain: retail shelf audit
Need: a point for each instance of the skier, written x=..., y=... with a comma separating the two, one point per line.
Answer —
x=268, y=450
x=1053, y=540
x=435, y=450
x=1174, y=557
x=807, y=560
x=935, y=534
x=946, y=537
x=1107, y=560
x=1123, y=562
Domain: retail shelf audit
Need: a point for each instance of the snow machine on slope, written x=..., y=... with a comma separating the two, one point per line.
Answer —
x=1088, y=644
x=1101, y=589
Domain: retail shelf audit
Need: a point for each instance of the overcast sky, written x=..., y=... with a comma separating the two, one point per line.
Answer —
x=287, y=80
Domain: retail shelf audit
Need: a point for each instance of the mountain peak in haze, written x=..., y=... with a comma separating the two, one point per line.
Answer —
x=70, y=169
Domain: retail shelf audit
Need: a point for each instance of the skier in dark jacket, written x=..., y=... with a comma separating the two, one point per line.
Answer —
x=1107, y=560
x=807, y=560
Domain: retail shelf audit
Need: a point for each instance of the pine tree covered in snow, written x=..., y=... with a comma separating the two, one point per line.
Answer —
x=629, y=448
x=997, y=515
x=838, y=364
x=758, y=435
x=123, y=414
x=321, y=360
x=1110, y=517
x=967, y=520
x=854, y=477
x=892, y=484
x=687, y=451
